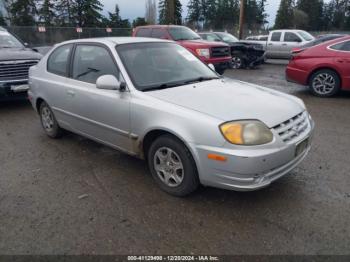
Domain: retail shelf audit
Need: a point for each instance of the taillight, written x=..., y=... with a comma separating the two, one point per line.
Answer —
x=297, y=50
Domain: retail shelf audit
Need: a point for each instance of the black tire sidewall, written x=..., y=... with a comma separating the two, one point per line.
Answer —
x=337, y=83
x=56, y=130
x=190, y=181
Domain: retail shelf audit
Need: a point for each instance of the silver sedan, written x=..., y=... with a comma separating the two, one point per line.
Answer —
x=155, y=100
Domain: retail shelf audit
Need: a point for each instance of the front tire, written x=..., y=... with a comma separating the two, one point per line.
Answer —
x=324, y=83
x=49, y=122
x=172, y=166
x=238, y=62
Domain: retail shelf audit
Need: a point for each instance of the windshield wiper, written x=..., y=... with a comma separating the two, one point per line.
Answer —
x=201, y=79
x=90, y=70
x=163, y=86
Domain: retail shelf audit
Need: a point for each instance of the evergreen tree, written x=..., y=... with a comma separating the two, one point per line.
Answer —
x=314, y=9
x=46, y=12
x=170, y=12
x=87, y=13
x=2, y=20
x=116, y=21
x=64, y=13
x=195, y=12
x=211, y=14
x=285, y=14
x=139, y=21
x=23, y=12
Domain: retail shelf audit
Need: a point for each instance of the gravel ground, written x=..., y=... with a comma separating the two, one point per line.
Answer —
x=74, y=196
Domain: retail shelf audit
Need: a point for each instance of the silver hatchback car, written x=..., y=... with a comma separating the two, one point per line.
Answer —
x=155, y=100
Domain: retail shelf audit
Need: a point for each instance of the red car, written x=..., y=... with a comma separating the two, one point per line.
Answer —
x=215, y=53
x=325, y=68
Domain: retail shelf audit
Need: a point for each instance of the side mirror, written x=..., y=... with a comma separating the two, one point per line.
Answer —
x=110, y=82
x=212, y=67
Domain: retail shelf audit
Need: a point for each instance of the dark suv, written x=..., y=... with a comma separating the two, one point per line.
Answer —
x=244, y=54
x=15, y=60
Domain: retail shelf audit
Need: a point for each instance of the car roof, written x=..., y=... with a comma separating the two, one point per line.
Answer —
x=158, y=26
x=2, y=29
x=117, y=40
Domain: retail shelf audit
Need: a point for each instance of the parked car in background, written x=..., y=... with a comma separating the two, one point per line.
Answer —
x=214, y=53
x=281, y=42
x=244, y=54
x=15, y=61
x=324, y=68
x=155, y=100
x=262, y=38
x=319, y=40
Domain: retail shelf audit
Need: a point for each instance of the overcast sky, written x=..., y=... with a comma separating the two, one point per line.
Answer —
x=134, y=8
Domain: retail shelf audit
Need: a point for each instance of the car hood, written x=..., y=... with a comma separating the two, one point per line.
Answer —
x=18, y=54
x=229, y=100
x=201, y=43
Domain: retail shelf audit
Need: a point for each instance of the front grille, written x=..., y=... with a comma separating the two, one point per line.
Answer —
x=220, y=51
x=292, y=129
x=11, y=71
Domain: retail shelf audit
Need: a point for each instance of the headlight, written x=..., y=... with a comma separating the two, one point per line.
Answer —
x=203, y=52
x=249, y=132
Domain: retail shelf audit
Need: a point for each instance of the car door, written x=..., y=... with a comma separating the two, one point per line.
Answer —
x=55, y=84
x=273, y=48
x=342, y=61
x=290, y=41
x=103, y=115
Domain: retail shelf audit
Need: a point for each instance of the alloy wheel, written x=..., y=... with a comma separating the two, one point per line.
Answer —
x=47, y=119
x=236, y=62
x=324, y=84
x=168, y=166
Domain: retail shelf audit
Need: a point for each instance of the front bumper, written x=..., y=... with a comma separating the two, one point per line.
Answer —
x=247, y=169
x=13, y=90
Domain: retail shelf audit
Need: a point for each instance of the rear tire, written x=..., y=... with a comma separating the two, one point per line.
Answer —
x=324, y=83
x=49, y=122
x=172, y=166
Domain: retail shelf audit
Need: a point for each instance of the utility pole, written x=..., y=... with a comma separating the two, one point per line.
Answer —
x=241, y=18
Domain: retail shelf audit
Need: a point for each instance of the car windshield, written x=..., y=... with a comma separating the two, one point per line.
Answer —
x=306, y=36
x=183, y=33
x=212, y=37
x=226, y=37
x=9, y=41
x=153, y=66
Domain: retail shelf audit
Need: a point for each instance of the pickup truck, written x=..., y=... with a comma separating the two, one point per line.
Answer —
x=15, y=61
x=281, y=42
x=218, y=54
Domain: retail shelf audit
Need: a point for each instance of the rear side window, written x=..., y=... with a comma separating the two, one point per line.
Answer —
x=291, y=37
x=159, y=33
x=59, y=59
x=276, y=37
x=91, y=62
x=345, y=46
x=144, y=32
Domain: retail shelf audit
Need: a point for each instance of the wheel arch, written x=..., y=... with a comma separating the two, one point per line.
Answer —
x=151, y=135
x=324, y=68
x=38, y=102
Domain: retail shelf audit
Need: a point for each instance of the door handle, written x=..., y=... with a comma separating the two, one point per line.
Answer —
x=70, y=93
x=340, y=60
x=284, y=44
x=270, y=44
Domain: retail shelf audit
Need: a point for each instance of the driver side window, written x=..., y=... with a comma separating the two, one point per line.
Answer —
x=91, y=62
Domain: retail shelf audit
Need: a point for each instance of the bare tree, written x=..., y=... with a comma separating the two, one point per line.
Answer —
x=151, y=12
